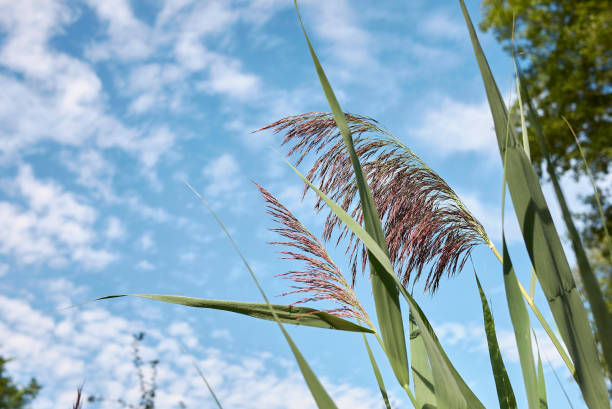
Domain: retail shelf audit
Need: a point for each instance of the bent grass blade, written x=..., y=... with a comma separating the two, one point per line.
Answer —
x=505, y=394
x=287, y=314
x=386, y=296
x=377, y=374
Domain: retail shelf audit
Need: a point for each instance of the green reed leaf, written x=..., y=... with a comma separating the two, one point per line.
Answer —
x=505, y=394
x=386, y=296
x=543, y=244
x=451, y=390
x=422, y=377
x=288, y=314
x=594, y=295
x=518, y=311
x=541, y=381
x=602, y=217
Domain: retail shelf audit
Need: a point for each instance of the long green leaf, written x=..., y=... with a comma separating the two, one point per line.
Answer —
x=320, y=395
x=522, y=330
x=518, y=312
x=386, y=296
x=422, y=378
x=544, y=246
x=286, y=313
x=451, y=389
x=594, y=295
x=377, y=374
x=541, y=380
x=505, y=394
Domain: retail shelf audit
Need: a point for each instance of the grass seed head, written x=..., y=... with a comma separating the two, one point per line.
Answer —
x=425, y=223
x=321, y=279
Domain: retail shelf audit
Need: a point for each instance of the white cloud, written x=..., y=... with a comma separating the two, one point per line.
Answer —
x=4, y=269
x=145, y=265
x=452, y=126
x=129, y=38
x=223, y=174
x=146, y=241
x=222, y=334
x=61, y=350
x=93, y=171
x=54, y=228
x=153, y=146
x=188, y=256
x=56, y=96
x=337, y=23
x=440, y=24
x=114, y=228
x=227, y=78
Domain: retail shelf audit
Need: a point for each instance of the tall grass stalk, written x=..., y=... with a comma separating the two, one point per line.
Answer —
x=399, y=218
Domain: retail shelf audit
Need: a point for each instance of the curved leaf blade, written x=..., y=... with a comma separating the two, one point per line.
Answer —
x=287, y=314
x=505, y=394
x=424, y=391
x=386, y=296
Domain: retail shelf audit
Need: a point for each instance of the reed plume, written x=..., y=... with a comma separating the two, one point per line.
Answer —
x=424, y=221
x=320, y=278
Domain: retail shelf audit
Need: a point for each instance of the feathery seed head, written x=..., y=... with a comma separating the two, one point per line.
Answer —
x=321, y=278
x=425, y=223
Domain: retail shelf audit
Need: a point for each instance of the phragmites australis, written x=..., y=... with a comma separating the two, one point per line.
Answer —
x=425, y=223
x=320, y=279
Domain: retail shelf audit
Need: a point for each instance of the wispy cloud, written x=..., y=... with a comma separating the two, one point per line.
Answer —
x=452, y=126
x=93, y=340
x=54, y=227
x=223, y=175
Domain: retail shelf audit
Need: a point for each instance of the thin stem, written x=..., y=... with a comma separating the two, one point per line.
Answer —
x=412, y=399
x=406, y=387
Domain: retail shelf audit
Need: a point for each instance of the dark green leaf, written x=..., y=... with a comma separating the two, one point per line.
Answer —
x=505, y=394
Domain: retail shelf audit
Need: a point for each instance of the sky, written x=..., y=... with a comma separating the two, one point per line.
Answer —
x=108, y=108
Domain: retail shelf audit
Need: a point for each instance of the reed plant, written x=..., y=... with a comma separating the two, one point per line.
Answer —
x=401, y=221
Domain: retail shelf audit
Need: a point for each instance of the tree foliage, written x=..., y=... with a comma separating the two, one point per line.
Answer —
x=565, y=49
x=13, y=396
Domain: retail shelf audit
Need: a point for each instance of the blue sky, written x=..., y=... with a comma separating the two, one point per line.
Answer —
x=107, y=107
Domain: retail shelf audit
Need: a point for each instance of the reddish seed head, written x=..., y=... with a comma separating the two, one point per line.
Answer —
x=425, y=224
x=321, y=279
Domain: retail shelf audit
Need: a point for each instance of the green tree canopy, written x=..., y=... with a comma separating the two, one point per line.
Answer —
x=13, y=396
x=565, y=49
